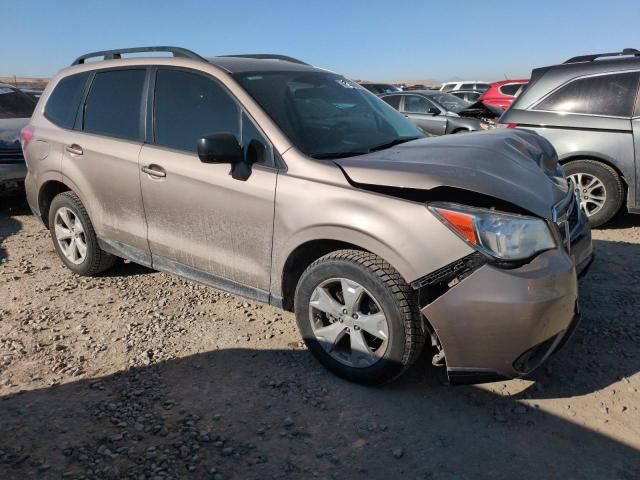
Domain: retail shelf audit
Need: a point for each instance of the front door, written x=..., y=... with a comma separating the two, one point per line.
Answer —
x=203, y=223
x=423, y=113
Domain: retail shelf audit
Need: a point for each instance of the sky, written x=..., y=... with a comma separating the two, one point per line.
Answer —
x=372, y=40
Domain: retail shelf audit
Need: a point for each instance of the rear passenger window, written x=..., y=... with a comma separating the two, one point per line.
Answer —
x=189, y=106
x=611, y=95
x=394, y=101
x=113, y=104
x=65, y=99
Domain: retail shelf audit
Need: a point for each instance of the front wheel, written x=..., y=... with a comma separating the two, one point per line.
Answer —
x=599, y=187
x=358, y=317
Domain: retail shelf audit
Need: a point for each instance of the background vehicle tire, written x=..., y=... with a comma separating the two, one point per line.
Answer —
x=600, y=188
x=74, y=237
x=358, y=317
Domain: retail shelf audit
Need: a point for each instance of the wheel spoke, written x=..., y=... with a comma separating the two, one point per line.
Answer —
x=330, y=335
x=593, y=184
x=360, y=351
x=323, y=301
x=374, y=324
x=62, y=233
x=64, y=216
x=82, y=248
x=352, y=293
x=78, y=225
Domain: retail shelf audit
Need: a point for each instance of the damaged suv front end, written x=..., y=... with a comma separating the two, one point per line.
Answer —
x=505, y=307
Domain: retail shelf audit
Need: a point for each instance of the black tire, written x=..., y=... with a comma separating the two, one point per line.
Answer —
x=96, y=260
x=612, y=184
x=397, y=300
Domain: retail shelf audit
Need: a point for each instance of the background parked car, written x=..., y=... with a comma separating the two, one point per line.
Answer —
x=466, y=85
x=440, y=113
x=380, y=88
x=470, y=96
x=588, y=108
x=16, y=108
x=503, y=93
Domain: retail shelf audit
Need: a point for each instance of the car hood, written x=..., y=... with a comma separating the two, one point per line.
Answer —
x=10, y=134
x=516, y=166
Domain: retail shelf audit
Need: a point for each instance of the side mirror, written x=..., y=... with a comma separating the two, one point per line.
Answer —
x=219, y=148
x=433, y=111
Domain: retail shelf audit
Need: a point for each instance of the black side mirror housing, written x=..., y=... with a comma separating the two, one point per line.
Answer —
x=219, y=148
x=433, y=111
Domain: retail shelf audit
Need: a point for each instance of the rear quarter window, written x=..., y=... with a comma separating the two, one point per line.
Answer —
x=15, y=104
x=65, y=99
x=608, y=95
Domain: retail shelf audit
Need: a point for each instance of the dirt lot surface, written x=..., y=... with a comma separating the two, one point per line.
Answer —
x=138, y=374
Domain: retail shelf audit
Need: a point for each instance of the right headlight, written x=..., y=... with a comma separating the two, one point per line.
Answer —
x=503, y=236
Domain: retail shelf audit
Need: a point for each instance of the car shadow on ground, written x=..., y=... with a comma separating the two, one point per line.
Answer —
x=604, y=348
x=276, y=414
x=11, y=205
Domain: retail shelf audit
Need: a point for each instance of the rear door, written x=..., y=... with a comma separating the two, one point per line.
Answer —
x=100, y=158
x=203, y=223
x=416, y=108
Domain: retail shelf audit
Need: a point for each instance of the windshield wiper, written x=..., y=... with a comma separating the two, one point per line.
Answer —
x=353, y=153
x=393, y=143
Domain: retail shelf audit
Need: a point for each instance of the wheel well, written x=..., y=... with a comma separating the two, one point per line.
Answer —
x=47, y=193
x=564, y=161
x=298, y=261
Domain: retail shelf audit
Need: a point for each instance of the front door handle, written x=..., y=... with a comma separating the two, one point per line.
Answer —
x=154, y=170
x=74, y=149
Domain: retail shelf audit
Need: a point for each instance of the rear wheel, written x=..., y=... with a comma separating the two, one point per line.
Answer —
x=74, y=237
x=600, y=189
x=359, y=317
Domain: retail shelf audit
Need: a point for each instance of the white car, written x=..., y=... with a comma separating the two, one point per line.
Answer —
x=465, y=85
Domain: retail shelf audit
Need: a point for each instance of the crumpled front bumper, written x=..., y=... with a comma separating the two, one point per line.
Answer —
x=503, y=323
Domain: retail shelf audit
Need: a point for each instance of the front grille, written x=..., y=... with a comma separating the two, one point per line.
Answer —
x=458, y=269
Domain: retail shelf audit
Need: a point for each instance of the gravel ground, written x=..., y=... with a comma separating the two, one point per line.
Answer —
x=138, y=374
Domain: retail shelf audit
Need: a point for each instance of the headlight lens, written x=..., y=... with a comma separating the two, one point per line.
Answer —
x=504, y=236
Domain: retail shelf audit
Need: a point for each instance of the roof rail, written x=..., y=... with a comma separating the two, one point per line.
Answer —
x=591, y=58
x=268, y=56
x=114, y=54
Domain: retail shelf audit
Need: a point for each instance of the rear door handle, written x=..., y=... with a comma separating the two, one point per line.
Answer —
x=154, y=170
x=74, y=149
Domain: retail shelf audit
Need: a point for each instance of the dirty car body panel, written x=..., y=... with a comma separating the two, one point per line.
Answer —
x=199, y=221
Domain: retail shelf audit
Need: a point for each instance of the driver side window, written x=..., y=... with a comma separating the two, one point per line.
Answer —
x=189, y=106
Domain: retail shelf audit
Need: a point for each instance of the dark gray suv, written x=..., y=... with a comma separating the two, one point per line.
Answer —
x=588, y=107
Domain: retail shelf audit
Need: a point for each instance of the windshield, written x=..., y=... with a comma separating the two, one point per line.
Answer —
x=449, y=102
x=327, y=116
x=15, y=104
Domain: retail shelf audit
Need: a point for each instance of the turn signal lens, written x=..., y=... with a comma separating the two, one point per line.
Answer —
x=462, y=222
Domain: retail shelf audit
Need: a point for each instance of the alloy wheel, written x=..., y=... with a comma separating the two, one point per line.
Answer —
x=348, y=322
x=591, y=190
x=70, y=235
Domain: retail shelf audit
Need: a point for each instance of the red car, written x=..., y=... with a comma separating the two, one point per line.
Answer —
x=502, y=94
